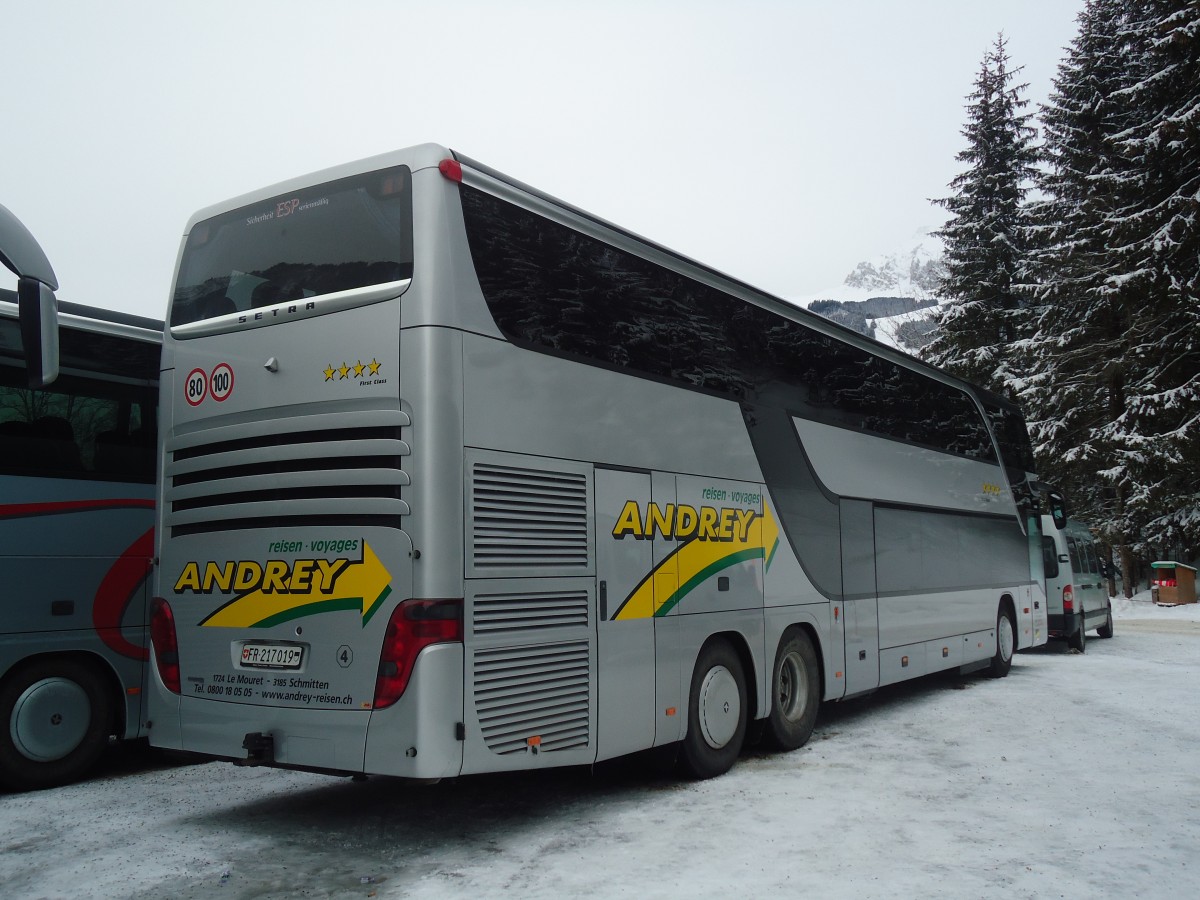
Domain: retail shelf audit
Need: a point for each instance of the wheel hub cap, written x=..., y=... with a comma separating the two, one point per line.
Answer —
x=720, y=707
x=49, y=719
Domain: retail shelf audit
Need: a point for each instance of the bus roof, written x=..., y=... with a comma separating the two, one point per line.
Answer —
x=93, y=318
x=429, y=155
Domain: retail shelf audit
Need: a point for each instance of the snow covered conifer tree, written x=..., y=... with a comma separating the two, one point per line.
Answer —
x=1114, y=396
x=1077, y=363
x=1155, y=273
x=985, y=233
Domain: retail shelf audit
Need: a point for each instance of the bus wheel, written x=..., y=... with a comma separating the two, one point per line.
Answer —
x=716, y=713
x=55, y=720
x=1106, y=630
x=1006, y=643
x=796, y=697
x=1078, y=641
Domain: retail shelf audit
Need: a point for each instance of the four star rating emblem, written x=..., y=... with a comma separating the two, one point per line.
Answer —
x=359, y=369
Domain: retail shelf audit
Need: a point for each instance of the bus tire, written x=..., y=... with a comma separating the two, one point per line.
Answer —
x=796, y=692
x=1106, y=630
x=55, y=720
x=717, y=708
x=1006, y=642
x=1078, y=640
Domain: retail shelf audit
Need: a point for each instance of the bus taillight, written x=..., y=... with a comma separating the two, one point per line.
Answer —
x=414, y=625
x=452, y=169
x=166, y=647
x=1068, y=599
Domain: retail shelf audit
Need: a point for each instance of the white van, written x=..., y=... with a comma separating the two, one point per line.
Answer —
x=1076, y=593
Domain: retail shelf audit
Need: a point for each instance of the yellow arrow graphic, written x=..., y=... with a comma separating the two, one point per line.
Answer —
x=361, y=584
x=693, y=563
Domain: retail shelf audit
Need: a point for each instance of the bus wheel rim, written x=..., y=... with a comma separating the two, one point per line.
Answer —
x=720, y=707
x=793, y=687
x=1006, y=638
x=50, y=719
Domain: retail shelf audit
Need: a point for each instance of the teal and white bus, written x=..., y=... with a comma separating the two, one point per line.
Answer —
x=77, y=461
x=459, y=478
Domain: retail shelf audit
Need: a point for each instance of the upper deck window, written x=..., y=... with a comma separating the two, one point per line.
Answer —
x=345, y=234
x=558, y=291
x=1016, y=451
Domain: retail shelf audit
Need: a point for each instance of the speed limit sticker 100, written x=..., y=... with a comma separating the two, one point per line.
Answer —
x=200, y=385
x=220, y=381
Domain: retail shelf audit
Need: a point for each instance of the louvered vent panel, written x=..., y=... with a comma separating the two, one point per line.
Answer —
x=533, y=692
x=529, y=611
x=528, y=518
x=341, y=469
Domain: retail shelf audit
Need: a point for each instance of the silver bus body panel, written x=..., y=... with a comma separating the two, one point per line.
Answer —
x=349, y=381
x=855, y=464
x=417, y=736
x=510, y=394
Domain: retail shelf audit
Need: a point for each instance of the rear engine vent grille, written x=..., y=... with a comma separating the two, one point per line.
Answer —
x=528, y=518
x=533, y=697
x=263, y=475
x=529, y=611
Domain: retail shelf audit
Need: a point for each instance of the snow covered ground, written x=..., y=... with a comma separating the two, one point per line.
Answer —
x=1078, y=776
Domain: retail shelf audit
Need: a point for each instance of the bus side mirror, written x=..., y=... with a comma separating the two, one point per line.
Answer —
x=36, y=284
x=38, y=310
x=1058, y=513
x=1056, y=502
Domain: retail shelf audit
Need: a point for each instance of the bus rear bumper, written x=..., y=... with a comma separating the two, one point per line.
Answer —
x=325, y=739
x=418, y=737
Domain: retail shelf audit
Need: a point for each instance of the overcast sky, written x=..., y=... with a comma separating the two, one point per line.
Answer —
x=781, y=142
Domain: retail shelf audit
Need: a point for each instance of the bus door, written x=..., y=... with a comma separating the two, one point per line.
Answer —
x=625, y=623
x=1038, y=592
x=860, y=605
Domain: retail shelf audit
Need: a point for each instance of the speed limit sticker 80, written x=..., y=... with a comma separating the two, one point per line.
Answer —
x=200, y=385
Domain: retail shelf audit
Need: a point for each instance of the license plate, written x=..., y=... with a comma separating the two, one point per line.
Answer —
x=271, y=656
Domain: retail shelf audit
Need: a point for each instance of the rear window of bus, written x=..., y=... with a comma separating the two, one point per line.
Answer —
x=338, y=236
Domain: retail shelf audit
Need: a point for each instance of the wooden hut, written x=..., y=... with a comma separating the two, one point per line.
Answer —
x=1173, y=583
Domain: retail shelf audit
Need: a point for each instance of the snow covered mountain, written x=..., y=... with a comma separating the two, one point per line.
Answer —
x=891, y=298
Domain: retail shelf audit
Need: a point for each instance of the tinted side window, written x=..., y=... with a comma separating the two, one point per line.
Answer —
x=1050, y=557
x=1073, y=550
x=555, y=290
x=81, y=427
x=1016, y=451
x=1090, y=553
x=105, y=355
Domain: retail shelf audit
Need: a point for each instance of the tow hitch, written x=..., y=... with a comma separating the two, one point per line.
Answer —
x=260, y=749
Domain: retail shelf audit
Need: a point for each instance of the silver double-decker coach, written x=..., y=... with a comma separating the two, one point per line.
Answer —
x=458, y=478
